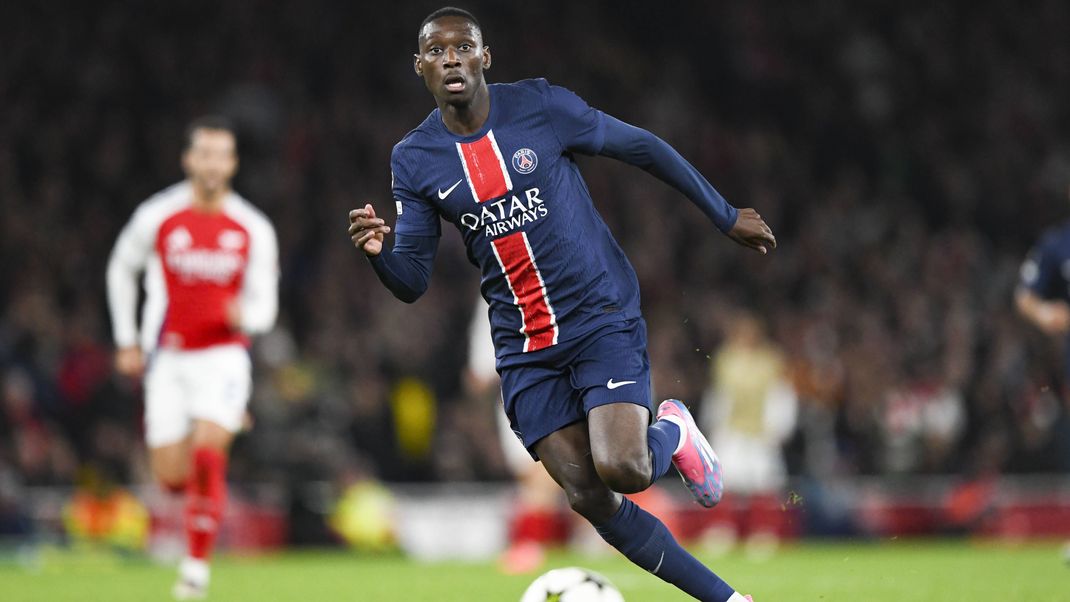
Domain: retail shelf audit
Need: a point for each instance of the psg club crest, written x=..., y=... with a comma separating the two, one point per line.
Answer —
x=525, y=160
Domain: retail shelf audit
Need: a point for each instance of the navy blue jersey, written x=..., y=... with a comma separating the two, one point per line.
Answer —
x=1046, y=271
x=551, y=269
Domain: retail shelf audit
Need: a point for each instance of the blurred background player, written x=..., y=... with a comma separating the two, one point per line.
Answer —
x=1043, y=298
x=750, y=410
x=536, y=519
x=570, y=341
x=210, y=261
x=1043, y=295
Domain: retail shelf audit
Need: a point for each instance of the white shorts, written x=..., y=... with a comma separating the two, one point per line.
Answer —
x=210, y=384
x=751, y=465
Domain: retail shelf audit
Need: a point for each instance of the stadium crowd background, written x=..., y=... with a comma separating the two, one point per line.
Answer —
x=905, y=157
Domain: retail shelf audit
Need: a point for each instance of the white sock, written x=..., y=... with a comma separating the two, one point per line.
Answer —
x=195, y=571
x=737, y=598
x=683, y=431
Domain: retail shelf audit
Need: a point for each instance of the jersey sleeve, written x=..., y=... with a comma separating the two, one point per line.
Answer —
x=128, y=258
x=1040, y=271
x=259, y=297
x=415, y=215
x=578, y=126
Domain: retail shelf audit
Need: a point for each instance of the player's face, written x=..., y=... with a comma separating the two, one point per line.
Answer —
x=452, y=58
x=211, y=160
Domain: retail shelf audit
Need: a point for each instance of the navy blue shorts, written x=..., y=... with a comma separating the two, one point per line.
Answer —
x=561, y=384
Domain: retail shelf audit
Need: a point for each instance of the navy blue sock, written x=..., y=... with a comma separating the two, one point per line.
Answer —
x=647, y=542
x=661, y=438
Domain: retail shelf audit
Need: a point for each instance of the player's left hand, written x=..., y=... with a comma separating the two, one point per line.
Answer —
x=752, y=231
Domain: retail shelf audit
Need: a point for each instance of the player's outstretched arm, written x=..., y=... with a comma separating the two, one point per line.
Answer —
x=640, y=148
x=1050, y=316
x=406, y=269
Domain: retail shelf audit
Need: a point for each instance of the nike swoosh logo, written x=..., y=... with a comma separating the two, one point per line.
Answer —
x=443, y=195
x=613, y=385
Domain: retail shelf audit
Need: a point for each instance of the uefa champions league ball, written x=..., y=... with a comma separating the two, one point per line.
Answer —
x=571, y=584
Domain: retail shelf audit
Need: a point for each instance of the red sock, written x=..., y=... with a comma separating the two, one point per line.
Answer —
x=538, y=525
x=206, y=496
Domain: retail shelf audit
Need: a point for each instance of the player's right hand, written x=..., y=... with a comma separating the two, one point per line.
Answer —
x=1053, y=318
x=367, y=231
x=129, y=361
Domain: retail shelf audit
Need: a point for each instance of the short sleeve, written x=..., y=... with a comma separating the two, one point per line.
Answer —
x=578, y=126
x=1040, y=271
x=415, y=216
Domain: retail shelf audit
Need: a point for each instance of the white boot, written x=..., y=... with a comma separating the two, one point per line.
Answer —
x=193, y=576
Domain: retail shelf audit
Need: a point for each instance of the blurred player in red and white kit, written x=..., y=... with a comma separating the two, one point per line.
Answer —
x=536, y=519
x=210, y=261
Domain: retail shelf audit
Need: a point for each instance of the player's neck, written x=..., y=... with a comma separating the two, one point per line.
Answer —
x=469, y=118
x=209, y=201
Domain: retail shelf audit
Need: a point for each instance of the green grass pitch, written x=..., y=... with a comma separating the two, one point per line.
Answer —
x=896, y=571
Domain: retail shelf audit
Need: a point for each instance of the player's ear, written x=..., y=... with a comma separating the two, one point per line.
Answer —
x=417, y=65
x=185, y=162
x=486, y=58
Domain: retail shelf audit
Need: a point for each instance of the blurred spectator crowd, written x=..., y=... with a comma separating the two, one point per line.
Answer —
x=905, y=157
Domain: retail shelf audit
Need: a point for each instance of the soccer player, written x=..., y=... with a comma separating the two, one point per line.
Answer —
x=1043, y=295
x=210, y=260
x=750, y=410
x=497, y=162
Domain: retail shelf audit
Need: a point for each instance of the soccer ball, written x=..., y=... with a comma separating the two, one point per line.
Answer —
x=571, y=584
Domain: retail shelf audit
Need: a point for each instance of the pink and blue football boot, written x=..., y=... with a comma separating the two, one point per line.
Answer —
x=694, y=458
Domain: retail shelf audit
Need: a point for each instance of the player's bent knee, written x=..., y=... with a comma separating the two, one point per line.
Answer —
x=170, y=466
x=594, y=504
x=625, y=475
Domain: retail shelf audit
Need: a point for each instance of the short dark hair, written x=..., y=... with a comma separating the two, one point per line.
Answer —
x=448, y=11
x=210, y=122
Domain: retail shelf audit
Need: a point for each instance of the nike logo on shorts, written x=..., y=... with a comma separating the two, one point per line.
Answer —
x=443, y=195
x=613, y=385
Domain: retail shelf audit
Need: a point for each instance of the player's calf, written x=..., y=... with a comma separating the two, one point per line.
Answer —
x=593, y=501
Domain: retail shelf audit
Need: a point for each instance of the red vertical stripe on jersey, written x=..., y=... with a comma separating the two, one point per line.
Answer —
x=484, y=168
x=538, y=322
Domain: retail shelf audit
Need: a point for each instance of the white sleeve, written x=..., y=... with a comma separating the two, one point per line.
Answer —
x=481, y=359
x=260, y=288
x=128, y=258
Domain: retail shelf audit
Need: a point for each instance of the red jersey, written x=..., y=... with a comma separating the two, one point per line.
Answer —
x=196, y=265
